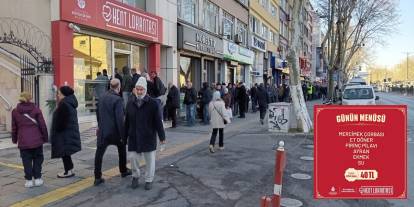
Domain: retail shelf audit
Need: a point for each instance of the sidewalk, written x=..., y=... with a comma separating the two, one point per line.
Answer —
x=11, y=172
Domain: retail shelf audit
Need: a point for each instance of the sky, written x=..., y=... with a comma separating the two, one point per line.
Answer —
x=399, y=42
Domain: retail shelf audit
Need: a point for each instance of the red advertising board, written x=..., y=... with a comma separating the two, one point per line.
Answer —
x=360, y=152
x=111, y=15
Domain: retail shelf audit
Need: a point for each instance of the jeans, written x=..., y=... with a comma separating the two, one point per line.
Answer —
x=67, y=163
x=149, y=164
x=32, y=162
x=206, y=114
x=213, y=137
x=125, y=96
x=100, y=151
x=190, y=114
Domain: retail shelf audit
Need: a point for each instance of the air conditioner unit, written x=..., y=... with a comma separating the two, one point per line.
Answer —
x=238, y=38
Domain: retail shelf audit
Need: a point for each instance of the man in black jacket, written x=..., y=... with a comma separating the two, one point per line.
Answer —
x=142, y=124
x=135, y=76
x=190, y=100
x=173, y=103
x=110, y=116
x=262, y=99
x=206, y=95
x=241, y=99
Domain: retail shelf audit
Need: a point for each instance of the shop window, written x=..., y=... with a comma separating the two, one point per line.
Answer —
x=188, y=10
x=139, y=58
x=91, y=55
x=122, y=46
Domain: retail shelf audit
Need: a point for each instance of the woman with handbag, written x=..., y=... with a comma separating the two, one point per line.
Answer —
x=218, y=120
x=30, y=133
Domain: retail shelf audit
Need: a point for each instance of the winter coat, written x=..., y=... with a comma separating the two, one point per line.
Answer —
x=159, y=88
x=65, y=134
x=135, y=78
x=241, y=96
x=25, y=132
x=262, y=97
x=206, y=95
x=190, y=96
x=142, y=125
x=217, y=114
x=110, y=114
x=173, y=98
x=127, y=83
x=227, y=100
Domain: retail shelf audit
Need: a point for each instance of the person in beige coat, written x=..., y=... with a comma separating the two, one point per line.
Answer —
x=218, y=114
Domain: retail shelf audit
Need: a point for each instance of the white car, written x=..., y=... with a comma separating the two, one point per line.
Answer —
x=359, y=95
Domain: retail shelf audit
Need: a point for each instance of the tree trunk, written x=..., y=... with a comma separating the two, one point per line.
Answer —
x=331, y=84
x=296, y=93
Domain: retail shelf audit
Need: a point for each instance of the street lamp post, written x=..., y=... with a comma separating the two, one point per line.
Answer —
x=408, y=54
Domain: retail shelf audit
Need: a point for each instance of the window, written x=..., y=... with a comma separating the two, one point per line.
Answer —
x=254, y=25
x=264, y=3
x=228, y=26
x=135, y=3
x=283, y=4
x=271, y=37
x=245, y=2
x=265, y=33
x=275, y=39
x=242, y=31
x=273, y=10
x=188, y=10
x=210, y=16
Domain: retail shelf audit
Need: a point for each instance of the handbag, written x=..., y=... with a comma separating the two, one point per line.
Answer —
x=224, y=120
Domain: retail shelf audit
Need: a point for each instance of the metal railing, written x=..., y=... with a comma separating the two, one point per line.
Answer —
x=7, y=104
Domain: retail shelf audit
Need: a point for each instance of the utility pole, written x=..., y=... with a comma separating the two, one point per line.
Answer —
x=408, y=54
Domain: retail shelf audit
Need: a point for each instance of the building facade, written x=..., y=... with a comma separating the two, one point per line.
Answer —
x=264, y=38
x=82, y=38
x=212, y=41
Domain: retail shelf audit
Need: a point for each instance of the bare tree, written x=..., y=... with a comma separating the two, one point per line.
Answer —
x=302, y=115
x=350, y=25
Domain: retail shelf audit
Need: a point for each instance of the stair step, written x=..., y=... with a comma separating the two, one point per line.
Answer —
x=5, y=136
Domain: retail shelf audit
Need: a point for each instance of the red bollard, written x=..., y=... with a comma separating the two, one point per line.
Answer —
x=266, y=201
x=263, y=201
x=279, y=168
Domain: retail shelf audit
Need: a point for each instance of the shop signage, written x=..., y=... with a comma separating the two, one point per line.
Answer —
x=198, y=41
x=113, y=16
x=235, y=52
x=258, y=43
x=360, y=152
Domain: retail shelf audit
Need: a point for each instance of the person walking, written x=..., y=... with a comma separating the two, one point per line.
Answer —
x=253, y=97
x=218, y=118
x=173, y=103
x=206, y=96
x=241, y=99
x=262, y=99
x=29, y=132
x=126, y=84
x=65, y=134
x=110, y=116
x=190, y=99
x=142, y=124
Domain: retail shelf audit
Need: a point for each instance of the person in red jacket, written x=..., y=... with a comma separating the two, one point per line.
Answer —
x=29, y=132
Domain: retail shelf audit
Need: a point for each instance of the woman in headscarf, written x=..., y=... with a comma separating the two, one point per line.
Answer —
x=218, y=118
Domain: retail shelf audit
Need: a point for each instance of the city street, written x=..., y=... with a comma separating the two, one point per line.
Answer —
x=188, y=174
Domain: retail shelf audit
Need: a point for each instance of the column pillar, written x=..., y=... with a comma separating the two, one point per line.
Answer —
x=62, y=53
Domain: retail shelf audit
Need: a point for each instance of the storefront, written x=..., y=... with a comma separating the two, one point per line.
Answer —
x=200, y=55
x=92, y=36
x=276, y=64
x=238, y=62
x=259, y=46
